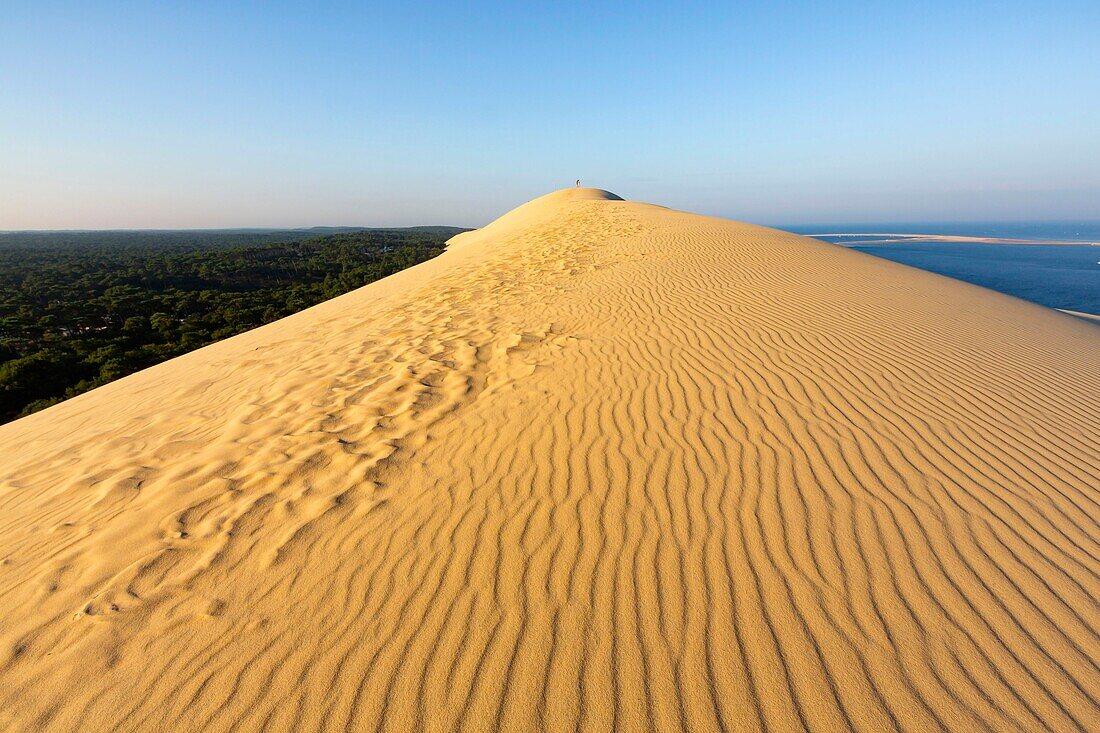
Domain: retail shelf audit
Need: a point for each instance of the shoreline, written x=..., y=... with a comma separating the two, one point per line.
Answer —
x=1090, y=317
x=896, y=237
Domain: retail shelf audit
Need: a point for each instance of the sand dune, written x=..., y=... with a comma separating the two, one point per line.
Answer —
x=601, y=466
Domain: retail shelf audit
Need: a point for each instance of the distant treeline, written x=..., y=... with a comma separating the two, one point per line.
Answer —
x=80, y=309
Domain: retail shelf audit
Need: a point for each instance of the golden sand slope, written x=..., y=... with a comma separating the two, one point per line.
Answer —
x=602, y=466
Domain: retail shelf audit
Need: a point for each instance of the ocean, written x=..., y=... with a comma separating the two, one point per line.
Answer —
x=1063, y=276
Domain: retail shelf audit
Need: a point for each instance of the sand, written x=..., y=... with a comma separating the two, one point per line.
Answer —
x=887, y=238
x=601, y=466
x=1094, y=317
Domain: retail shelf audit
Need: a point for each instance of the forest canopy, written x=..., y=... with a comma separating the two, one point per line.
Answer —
x=80, y=309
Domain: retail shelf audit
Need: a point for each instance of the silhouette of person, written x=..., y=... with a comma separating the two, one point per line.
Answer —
x=578, y=183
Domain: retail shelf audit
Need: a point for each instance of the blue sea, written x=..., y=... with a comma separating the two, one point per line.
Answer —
x=1055, y=275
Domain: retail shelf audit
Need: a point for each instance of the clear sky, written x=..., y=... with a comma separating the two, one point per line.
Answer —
x=215, y=114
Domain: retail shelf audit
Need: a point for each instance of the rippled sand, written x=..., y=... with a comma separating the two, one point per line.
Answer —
x=601, y=466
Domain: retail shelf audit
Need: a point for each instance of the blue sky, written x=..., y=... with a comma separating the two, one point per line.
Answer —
x=124, y=115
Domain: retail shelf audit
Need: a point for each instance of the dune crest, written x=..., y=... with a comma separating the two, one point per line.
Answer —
x=601, y=466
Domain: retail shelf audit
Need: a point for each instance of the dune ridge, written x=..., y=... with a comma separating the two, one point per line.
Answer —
x=601, y=466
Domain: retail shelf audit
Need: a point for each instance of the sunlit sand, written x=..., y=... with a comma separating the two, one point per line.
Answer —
x=601, y=466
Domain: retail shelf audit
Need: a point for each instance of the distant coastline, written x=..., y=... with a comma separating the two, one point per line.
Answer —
x=893, y=237
x=1010, y=232
x=1050, y=263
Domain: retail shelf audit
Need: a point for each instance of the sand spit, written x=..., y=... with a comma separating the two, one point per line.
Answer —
x=602, y=466
x=1091, y=317
x=888, y=238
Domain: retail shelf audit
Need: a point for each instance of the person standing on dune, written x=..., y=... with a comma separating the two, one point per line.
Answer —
x=578, y=183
